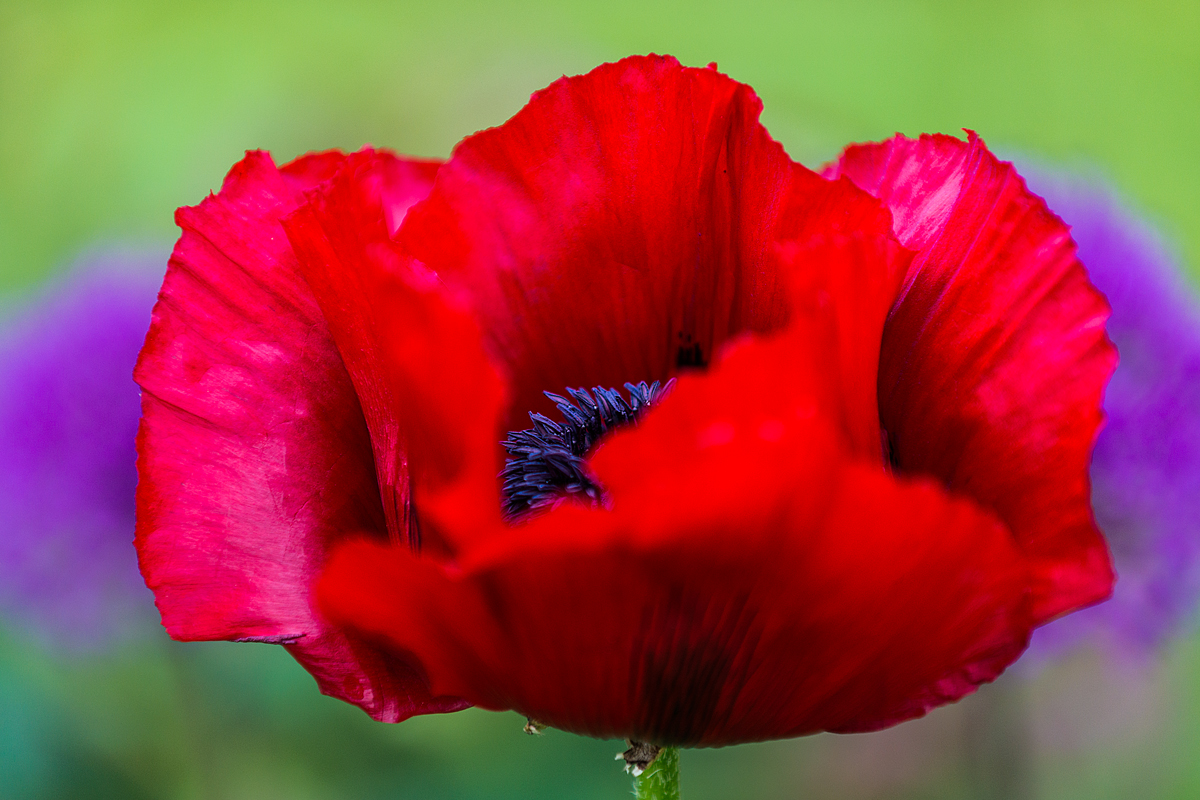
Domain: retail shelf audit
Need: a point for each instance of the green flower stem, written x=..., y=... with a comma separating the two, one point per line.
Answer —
x=660, y=781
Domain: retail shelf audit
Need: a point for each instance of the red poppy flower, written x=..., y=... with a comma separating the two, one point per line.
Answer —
x=866, y=487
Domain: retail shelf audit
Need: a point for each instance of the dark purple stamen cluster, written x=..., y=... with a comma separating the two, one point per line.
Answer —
x=547, y=461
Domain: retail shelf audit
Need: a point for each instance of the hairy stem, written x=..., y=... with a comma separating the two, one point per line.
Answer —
x=660, y=780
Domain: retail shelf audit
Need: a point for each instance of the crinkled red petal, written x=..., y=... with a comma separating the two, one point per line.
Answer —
x=995, y=358
x=253, y=455
x=620, y=227
x=431, y=397
x=749, y=578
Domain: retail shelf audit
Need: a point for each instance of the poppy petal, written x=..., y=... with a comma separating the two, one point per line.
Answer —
x=620, y=227
x=995, y=358
x=254, y=458
x=431, y=397
x=748, y=579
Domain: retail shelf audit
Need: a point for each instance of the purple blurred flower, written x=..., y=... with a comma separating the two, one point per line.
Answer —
x=1146, y=469
x=68, y=415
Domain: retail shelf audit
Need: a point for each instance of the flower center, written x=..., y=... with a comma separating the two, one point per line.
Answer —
x=547, y=462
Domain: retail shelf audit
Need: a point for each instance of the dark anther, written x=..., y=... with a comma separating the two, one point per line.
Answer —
x=546, y=462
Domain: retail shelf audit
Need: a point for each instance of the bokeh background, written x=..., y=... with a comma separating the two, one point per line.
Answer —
x=112, y=114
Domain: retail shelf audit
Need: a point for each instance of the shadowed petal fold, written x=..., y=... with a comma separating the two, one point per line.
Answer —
x=431, y=397
x=994, y=360
x=254, y=458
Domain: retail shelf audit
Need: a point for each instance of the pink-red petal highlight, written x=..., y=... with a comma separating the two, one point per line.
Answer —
x=254, y=457
x=995, y=359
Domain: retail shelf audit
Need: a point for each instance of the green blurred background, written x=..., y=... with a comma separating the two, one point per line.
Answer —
x=113, y=114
